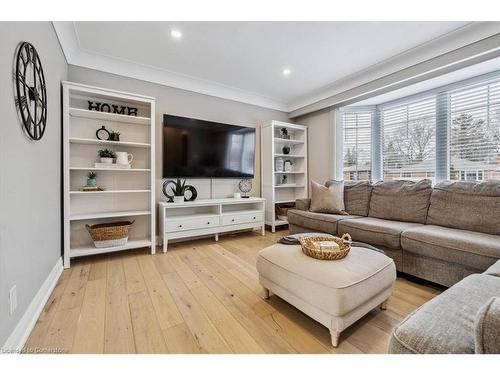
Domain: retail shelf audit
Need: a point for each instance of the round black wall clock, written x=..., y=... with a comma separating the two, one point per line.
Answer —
x=30, y=90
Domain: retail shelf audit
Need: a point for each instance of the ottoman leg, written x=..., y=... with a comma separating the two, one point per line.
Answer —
x=335, y=338
x=267, y=293
x=383, y=306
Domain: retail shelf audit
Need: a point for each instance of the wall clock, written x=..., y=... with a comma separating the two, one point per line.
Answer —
x=30, y=90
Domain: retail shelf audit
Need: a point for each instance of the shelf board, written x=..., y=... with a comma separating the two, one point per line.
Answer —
x=289, y=186
x=104, y=116
x=87, y=141
x=288, y=156
x=110, y=169
x=285, y=201
x=291, y=141
x=289, y=172
x=84, y=250
x=78, y=192
x=104, y=215
x=277, y=222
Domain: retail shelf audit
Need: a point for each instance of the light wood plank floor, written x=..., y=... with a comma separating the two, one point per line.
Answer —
x=200, y=297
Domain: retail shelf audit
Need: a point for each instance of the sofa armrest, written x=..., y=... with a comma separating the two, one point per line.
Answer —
x=303, y=204
x=487, y=328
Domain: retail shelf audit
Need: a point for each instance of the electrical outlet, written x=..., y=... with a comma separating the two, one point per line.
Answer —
x=13, y=299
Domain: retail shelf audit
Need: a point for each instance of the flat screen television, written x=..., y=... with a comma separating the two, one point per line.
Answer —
x=204, y=149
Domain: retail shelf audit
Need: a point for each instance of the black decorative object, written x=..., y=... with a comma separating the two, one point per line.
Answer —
x=286, y=150
x=30, y=90
x=284, y=133
x=166, y=190
x=114, y=136
x=112, y=108
x=102, y=133
x=245, y=187
x=194, y=193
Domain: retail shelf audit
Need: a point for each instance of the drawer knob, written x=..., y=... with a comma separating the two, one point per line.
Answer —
x=232, y=219
x=180, y=225
x=254, y=218
x=208, y=222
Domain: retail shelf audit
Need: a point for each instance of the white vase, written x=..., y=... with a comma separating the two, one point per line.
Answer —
x=178, y=198
x=107, y=160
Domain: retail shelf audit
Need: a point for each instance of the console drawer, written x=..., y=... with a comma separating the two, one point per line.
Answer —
x=242, y=218
x=179, y=224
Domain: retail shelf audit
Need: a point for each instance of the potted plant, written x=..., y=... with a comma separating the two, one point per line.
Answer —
x=179, y=189
x=91, y=178
x=107, y=156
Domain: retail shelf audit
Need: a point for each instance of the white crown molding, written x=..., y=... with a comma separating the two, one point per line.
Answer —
x=453, y=40
x=17, y=339
x=75, y=55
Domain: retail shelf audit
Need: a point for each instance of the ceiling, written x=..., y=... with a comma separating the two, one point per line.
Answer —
x=244, y=61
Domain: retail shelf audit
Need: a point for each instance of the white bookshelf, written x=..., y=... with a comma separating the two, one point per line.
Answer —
x=129, y=193
x=274, y=190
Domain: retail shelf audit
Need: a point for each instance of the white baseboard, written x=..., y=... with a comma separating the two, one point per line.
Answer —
x=15, y=342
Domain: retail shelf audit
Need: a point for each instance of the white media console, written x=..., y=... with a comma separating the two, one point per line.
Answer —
x=209, y=216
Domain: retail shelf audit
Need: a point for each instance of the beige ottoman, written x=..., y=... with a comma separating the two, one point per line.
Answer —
x=335, y=293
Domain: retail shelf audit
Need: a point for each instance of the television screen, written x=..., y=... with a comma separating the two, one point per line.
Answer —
x=198, y=148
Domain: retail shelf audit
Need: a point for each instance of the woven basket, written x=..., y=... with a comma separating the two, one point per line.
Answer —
x=311, y=248
x=109, y=234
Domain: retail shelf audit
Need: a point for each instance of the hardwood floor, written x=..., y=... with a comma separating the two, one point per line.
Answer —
x=200, y=297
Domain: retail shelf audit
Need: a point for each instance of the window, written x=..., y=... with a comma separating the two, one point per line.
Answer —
x=475, y=132
x=409, y=139
x=450, y=132
x=357, y=145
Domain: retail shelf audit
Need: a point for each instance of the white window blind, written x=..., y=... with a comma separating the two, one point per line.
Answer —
x=409, y=139
x=357, y=127
x=475, y=132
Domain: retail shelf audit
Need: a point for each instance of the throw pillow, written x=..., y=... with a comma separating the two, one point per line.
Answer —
x=327, y=200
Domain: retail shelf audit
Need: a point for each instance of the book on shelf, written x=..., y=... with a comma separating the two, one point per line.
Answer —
x=92, y=188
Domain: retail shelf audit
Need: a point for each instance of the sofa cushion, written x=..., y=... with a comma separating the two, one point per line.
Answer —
x=317, y=222
x=375, y=231
x=466, y=205
x=401, y=200
x=445, y=324
x=494, y=269
x=487, y=324
x=356, y=196
x=472, y=249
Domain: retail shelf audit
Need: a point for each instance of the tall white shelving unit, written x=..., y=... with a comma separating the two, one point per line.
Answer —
x=273, y=189
x=130, y=193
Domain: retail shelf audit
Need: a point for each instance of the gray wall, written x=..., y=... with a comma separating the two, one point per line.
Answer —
x=189, y=104
x=320, y=146
x=30, y=182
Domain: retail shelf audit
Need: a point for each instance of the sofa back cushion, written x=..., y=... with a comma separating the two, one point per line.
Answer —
x=401, y=200
x=466, y=205
x=356, y=196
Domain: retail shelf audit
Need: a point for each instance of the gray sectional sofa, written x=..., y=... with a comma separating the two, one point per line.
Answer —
x=440, y=234
x=465, y=319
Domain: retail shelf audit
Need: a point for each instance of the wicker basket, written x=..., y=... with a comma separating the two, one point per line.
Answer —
x=109, y=234
x=311, y=248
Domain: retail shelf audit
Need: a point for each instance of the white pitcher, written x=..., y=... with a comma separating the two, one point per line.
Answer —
x=124, y=158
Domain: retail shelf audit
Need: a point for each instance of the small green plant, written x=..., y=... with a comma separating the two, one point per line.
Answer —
x=91, y=175
x=115, y=133
x=107, y=153
x=179, y=188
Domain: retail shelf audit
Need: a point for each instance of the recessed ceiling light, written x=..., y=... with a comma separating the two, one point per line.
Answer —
x=286, y=72
x=175, y=34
